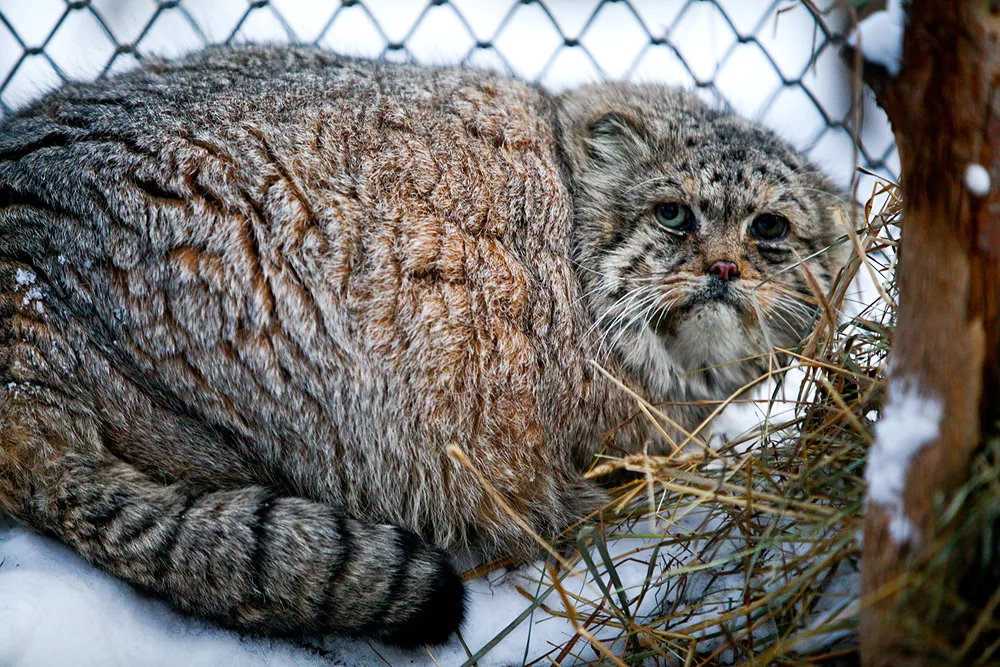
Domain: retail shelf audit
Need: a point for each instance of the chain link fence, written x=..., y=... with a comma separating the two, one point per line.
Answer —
x=774, y=60
x=777, y=61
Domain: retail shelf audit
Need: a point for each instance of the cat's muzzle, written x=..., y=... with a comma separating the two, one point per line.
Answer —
x=710, y=293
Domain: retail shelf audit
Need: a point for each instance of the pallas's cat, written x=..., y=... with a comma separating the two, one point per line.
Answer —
x=249, y=300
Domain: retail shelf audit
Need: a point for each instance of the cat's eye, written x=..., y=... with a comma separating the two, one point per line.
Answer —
x=769, y=227
x=675, y=217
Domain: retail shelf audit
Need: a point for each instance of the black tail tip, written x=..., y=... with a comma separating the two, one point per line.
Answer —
x=440, y=615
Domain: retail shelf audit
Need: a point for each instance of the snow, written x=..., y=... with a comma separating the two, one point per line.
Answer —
x=741, y=420
x=56, y=609
x=843, y=605
x=909, y=423
x=880, y=36
x=33, y=294
x=977, y=180
x=23, y=278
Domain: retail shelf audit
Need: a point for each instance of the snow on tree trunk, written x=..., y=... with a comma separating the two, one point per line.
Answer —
x=944, y=104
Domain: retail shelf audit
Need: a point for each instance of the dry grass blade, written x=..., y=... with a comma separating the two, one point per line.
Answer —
x=457, y=454
x=742, y=551
x=571, y=612
x=649, y=410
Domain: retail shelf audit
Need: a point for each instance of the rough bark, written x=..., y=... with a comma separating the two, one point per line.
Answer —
x=945, y=109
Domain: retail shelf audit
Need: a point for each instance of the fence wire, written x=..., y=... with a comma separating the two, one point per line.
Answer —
x=774, y=60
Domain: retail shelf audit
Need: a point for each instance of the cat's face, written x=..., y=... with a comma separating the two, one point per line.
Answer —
x=691, y=228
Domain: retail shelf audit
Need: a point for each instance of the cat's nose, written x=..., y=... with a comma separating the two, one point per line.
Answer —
x=725, y=270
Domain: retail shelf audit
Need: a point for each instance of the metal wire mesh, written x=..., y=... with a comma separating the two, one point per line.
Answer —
x=775, y=60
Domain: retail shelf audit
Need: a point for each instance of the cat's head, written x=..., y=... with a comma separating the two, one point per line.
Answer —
x=691, y=227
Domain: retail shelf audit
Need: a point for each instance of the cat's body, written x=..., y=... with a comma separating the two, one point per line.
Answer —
x=249, y=300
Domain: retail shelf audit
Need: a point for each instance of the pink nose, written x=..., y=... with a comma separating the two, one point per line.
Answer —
x=725, y=270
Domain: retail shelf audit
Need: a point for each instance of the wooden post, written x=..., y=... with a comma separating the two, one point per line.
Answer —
x=945, y=110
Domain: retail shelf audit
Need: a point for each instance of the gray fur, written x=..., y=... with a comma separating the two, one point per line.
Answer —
x=248, y=299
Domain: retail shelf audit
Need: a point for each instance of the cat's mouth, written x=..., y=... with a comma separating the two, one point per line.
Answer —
x=716, y=295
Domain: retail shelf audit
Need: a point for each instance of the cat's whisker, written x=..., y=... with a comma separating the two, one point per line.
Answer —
x=612, y=282
x=803, y=306
x=644, y=314
x=788, y=297
x=620, y=319
x=798, y=263
x=800, y=315
x=610, y=276
x=629, y=297
x=775, y=315
x=602, y=287
x=670, y=302
x=794, y=302
x=642, y=308
x=625, y=297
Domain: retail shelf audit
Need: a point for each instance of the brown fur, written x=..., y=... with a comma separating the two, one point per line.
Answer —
x=250, y=299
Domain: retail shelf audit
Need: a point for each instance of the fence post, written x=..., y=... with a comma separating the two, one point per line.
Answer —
x=944, y=105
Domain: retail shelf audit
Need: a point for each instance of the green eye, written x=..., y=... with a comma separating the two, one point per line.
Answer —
x=769, y=227
x=675, y=217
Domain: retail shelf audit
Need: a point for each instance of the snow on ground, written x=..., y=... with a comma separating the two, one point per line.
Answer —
x=57, y=610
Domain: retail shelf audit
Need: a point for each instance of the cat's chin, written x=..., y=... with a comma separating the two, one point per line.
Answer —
x=712, y=317
x=710, y=335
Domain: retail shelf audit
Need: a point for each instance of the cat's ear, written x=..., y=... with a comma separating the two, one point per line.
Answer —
x=613, y=136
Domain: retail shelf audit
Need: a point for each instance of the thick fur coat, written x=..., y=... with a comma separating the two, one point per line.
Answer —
x=249, y=299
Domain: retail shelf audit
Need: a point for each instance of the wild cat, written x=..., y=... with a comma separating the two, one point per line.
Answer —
x=249, y=299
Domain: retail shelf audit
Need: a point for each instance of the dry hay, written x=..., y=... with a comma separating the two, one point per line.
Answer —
x=743, y=551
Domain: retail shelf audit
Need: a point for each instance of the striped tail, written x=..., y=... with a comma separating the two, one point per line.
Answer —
x=258, y=562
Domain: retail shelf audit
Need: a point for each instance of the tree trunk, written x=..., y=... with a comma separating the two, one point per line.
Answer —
x=945, y=110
